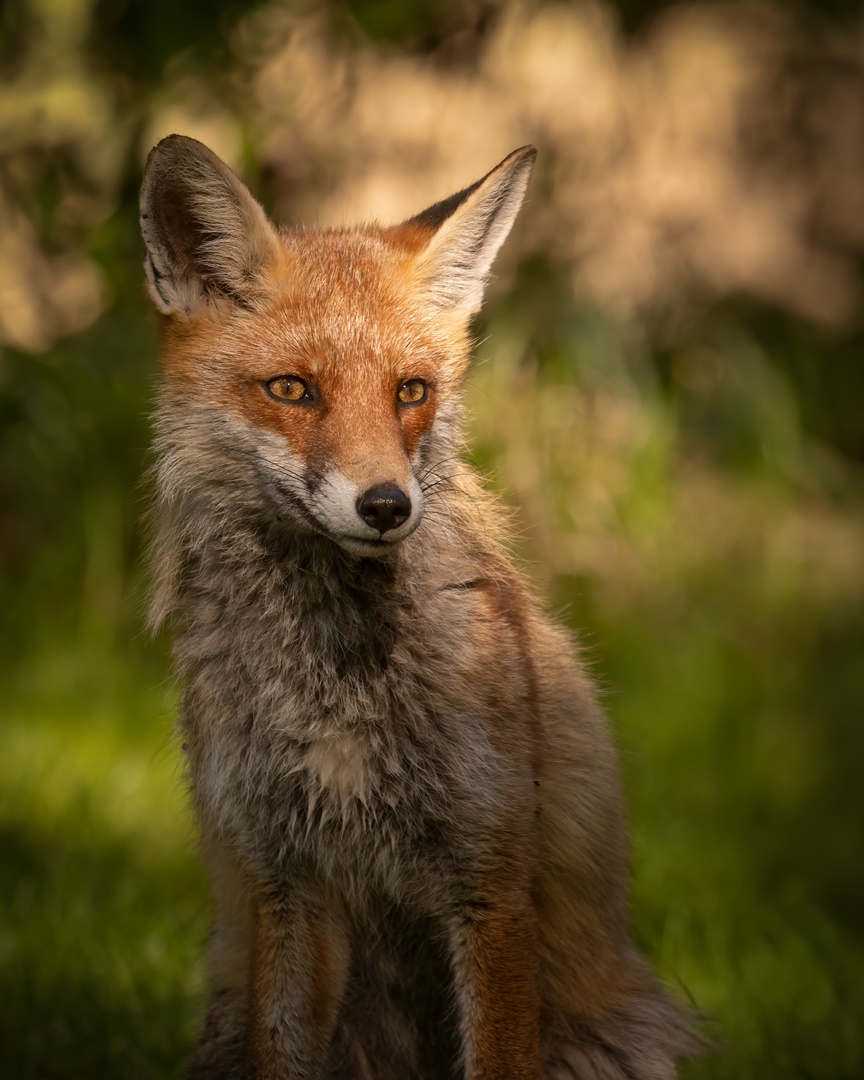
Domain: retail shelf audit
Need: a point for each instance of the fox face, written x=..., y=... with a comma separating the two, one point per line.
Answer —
x=334, y=403
x=319, y=369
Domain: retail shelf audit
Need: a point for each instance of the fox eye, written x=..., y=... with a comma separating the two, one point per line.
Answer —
x=289, y=388
x=413, y=392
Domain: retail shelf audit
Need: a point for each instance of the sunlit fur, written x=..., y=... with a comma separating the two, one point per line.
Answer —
x=406, y=788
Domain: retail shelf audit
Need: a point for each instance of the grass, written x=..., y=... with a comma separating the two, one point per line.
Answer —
x=102, y=903
x=742, y=849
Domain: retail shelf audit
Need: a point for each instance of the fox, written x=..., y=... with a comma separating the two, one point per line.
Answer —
x=406, y=788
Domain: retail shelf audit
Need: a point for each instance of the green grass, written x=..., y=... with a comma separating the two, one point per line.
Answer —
x=102, y=903
x=745, y=828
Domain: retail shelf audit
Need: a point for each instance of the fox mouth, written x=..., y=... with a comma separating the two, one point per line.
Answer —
x=371, y=546
x=365, y=547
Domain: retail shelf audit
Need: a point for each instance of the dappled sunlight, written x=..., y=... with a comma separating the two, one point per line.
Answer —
x=713, y=156
x=51, y=100
x=671, y=167
x=42, y=296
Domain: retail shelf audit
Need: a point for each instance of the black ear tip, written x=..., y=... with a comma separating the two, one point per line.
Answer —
x=526, y=154
x=519, y=161
x=177, y=148
x=177, y=141
x=164, y=150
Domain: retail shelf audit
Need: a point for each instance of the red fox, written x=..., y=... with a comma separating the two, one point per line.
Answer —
x=407, y=793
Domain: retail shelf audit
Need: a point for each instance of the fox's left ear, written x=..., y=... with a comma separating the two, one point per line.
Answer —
x=206, y=237
x=467, y=231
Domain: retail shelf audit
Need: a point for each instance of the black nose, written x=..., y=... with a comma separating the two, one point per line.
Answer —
x=384, y=507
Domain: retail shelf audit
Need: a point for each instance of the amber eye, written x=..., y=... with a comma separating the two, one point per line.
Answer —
x=413, y=392
x=289, y=388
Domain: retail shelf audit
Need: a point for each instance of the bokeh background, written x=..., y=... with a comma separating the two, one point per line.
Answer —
x=669, y=389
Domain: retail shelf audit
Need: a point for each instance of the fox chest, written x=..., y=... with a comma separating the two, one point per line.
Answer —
x=364, y=768
x=377, y=740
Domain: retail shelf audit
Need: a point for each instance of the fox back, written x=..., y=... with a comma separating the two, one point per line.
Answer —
x=407, y=794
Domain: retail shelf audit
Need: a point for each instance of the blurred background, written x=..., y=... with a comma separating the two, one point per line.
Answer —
x=669, y=390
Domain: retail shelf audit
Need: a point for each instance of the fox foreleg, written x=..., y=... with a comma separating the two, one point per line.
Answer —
x=300, y=960
x=494, y=948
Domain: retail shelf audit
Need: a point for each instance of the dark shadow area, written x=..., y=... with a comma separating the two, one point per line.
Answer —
x=100, y=950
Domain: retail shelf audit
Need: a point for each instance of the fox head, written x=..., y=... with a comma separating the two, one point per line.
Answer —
x=314, y=373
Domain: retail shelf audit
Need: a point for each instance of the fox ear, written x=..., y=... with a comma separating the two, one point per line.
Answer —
x=206, y=237
x=469, y=228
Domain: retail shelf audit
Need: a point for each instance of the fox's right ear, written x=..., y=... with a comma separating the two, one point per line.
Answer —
x=463, y=233
x=206, y=237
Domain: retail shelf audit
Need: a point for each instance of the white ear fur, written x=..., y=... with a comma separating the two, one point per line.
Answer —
x=471, y=227
x=205, y=235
